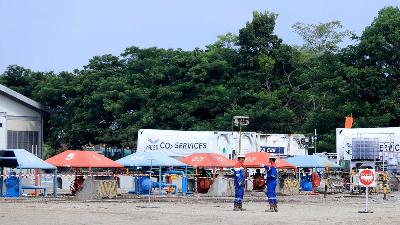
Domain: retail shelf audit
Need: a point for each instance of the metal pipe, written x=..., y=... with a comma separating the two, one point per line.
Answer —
x=20, y=182
x=41, y=138
x=150, y=172
x=36, y=181
x=240, y=137
x=185, y=189
x=366, y=199
x=315, y=141
x=159, y=181
x=55, y=183
x=184, y=178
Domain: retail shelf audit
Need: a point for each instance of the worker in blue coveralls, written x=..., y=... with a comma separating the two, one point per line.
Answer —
x=271, y=182
x=239, y=183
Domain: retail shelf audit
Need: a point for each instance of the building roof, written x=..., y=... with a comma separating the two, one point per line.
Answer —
x=22, y=99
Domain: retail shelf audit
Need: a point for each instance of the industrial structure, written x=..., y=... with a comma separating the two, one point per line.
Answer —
x=21, y=122
x=379, y=145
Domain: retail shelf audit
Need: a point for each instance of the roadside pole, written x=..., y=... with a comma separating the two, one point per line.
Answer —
x=367, y=179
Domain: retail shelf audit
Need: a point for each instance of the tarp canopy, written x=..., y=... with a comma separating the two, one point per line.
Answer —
x=153, y=158
x=22, y=159
x=254, y=159
x=82, y=159
x=209, y=160
x=311, y=161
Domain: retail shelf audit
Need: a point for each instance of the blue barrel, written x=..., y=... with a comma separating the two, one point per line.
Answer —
x=307, y=186
x=12, y=185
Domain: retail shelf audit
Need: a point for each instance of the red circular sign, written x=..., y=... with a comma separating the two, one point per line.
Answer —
x=367, y=177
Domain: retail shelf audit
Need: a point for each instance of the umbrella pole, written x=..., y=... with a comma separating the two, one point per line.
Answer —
x=55, y=183
x=151, y=185
x=116, y=175
x=36, y=181
x=214, y=171
x=20, y=182
x=195, y=183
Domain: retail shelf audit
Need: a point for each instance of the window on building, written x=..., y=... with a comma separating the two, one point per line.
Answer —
x=28, y=140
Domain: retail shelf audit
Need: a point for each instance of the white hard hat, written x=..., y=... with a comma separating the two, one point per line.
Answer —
x=272, y=157
x=241, y=155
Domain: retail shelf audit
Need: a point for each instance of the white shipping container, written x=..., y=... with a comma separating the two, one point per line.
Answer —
x=183, y=143
x=284, y=144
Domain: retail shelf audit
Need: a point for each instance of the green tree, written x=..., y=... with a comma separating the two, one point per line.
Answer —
x=322, y=37
x=17, y=78
x=373, y=72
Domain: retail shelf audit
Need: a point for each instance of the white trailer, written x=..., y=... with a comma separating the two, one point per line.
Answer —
x=388, y=138
x=284, y=144
x=183, y=143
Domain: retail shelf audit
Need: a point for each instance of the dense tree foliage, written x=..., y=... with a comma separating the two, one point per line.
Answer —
x=282, y=88
x=323, y=36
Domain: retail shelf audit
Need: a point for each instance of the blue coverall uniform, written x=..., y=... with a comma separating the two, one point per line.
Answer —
x=239, y=184
x=271, y=181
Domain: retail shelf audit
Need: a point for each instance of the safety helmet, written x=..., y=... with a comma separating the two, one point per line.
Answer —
x=272, y=157
x=241, y=155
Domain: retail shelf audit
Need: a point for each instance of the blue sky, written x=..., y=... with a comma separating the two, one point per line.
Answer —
x=60, y=35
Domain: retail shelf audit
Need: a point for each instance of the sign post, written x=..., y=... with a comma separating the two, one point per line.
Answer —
x=367, y=179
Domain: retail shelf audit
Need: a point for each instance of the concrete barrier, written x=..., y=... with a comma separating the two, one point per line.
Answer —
x=97, y=189
x=221, y=187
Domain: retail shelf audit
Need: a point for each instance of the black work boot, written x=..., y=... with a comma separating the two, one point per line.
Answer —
x=276, y=207
x=236, y=206
x=271, y=208
x=241, y=207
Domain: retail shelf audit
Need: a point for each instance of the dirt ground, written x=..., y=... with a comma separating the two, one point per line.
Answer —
x=299, y=209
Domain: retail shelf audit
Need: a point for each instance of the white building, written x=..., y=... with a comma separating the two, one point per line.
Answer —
x=21, y=122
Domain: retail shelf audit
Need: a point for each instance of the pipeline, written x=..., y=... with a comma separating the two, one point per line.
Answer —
x=184, y=179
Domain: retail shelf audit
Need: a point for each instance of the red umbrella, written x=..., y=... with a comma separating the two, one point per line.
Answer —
x=210, y=160
x=82, y=159
x=254, y=159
